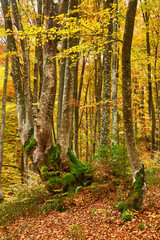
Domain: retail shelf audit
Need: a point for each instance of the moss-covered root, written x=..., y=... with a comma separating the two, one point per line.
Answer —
x=136, y=193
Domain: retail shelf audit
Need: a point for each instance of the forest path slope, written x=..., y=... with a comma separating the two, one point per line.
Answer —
x=91, y=215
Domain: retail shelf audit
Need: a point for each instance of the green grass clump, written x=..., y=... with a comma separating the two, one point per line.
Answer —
x=141, y=226
x=127, y=215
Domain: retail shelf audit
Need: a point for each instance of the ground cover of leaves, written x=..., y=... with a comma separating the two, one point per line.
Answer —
x=91, y=215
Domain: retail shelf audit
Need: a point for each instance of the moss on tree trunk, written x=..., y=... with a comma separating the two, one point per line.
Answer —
x=136, y=194
x=56, y=179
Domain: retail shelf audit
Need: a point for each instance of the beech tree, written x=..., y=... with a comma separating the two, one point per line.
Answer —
x=137, y=190
x=105, y=128
x=36, y=125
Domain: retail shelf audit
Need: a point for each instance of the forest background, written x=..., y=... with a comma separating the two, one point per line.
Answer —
x=85, y=46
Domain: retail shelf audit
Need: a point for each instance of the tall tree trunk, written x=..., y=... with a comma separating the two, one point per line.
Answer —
x=104, y=137
x=137, y=191
x=61, y=78
x=146, y=16
x=3, y=114
x=114, y=79
x=26, y=69
x=38, y=66
x=76, y=112
x=70, y=75
x=61, y=86
x=15, y=73
x=98, y=91
x=157, y=97
x=44, y=118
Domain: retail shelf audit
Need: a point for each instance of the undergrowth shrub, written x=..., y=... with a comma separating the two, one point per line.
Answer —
x=118, y=165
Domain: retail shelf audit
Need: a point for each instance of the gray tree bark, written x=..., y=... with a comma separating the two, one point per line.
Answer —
x=105, y=128
x=137, y=191
x=44, y=117
x=38, y=66
x=70, y=75
x=15, y=72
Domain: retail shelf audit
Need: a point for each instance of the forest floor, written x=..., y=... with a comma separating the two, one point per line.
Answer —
x=91, y=214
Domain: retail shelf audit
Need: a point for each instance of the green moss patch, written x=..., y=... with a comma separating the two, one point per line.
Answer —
x=127, y=215
x=82, y=171
x=56, y=179
x=31, y=143
x=135, y=196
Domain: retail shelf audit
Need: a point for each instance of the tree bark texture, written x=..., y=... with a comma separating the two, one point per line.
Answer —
x=104, y=138
x=146, y=15
x=15, y=72
x=70, y=76
x=44, y=117
x=137, y=192
x=38, y=66
x=36, y=129
x=114, y=80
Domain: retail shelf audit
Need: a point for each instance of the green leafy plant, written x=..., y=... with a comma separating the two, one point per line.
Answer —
x=93, y=211
x=117, y=162
x=141, y=226
x=56, y=203
x=127, y=215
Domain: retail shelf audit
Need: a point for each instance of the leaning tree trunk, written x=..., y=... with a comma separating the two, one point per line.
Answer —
x=136, y=194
